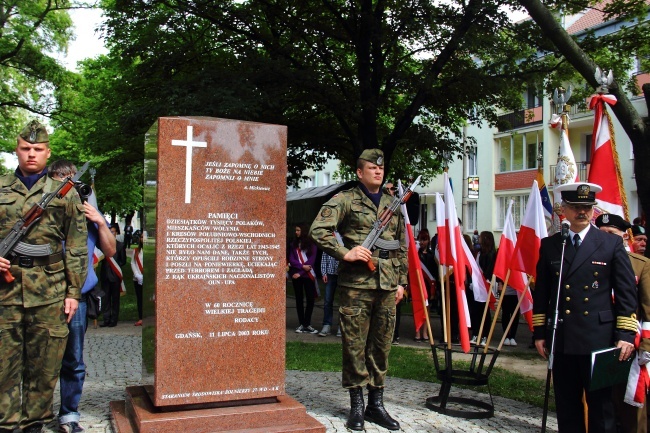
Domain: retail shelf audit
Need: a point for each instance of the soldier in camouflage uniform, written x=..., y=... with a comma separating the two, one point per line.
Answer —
x=36, y=306
x=367, y=306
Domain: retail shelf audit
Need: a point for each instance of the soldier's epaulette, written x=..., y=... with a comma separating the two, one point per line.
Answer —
x=539, y=319
x=627, y=323
x=7, y=179
x=639, y=257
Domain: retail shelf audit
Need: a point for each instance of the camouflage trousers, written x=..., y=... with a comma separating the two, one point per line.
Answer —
x=367, y=324
x=32, y=342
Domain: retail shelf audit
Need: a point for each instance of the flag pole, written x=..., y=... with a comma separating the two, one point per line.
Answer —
x=426, y=307
x=448, y=309
x=496, y=312
x=512, y=319
x=485, y=310
x=480, y=329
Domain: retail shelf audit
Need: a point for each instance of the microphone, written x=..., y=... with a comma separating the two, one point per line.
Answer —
x=565, y=229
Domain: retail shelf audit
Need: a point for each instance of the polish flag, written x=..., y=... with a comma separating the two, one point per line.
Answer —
x=604, y=159
x=531, y=232
x=518, y=280
x=419, y=294
x=442, y=231
x=479, y=283
x=459, y=261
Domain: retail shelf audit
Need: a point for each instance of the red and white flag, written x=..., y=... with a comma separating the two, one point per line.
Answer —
x=517, y=280
x=443, y=237
x=459, y=262
x=416, y=280
x=479, y=283
x=526, y=254
x=638, y=381
x=604, y=169
x=531, y=233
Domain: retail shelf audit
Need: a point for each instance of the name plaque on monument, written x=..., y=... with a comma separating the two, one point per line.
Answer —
x=220, y=261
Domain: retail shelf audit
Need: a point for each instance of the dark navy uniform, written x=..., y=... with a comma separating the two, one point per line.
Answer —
x=588, y=319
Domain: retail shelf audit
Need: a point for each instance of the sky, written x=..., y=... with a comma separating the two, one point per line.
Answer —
x=87, y=43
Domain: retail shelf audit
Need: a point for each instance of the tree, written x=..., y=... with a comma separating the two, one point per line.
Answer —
x=31, y=34
x=344, y=76
x=619, y=47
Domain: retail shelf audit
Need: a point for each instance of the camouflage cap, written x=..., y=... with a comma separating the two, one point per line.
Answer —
x=376, y=156
x=34, y=133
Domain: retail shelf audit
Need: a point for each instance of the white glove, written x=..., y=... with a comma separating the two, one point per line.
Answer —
x=644, y=357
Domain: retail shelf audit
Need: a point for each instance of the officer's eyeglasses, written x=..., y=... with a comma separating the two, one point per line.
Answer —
x=580, y=207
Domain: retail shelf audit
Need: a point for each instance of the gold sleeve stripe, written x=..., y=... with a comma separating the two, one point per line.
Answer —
x=539, y=319
x=627, y=323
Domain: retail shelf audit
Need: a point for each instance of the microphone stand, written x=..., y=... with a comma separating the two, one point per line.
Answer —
x=551, y=355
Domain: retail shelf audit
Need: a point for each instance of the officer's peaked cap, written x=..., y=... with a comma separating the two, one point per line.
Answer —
x=579, y=193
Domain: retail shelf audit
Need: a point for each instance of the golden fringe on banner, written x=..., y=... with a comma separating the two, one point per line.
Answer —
x=619, y=177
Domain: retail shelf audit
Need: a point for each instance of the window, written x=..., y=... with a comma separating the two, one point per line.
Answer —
x=532, y=100
x=326, y=179
x=471, y=162
x=472, y=216
x=518, y=209
x=432, y=212
x=533, y=142
x=311, y=181
x=519, y=151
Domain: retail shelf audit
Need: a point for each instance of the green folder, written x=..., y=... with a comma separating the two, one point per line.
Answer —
x=607, y=370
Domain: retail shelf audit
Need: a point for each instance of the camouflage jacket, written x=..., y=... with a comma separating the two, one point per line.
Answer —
x=352, y=214
x=63, y=221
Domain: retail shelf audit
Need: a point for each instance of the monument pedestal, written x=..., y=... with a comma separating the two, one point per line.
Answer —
x=219, y=228
x=138, y=415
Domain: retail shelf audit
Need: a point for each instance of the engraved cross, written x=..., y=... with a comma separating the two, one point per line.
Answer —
x=188, y=159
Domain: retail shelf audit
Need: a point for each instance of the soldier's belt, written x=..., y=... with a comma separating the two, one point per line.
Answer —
x=384, y=254
x=30, y=262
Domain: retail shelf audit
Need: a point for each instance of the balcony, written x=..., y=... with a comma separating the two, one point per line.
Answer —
x=583, y=173
x=521, y=118
x=574, y=111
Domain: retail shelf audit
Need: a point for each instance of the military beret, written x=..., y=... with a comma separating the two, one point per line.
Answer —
x=612, y=220
x=376, y=156
x=34, y=133
x=638, y=230
x=579, y=193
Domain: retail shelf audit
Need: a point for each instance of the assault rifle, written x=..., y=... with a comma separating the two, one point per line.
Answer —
x=373, y=240
x=12, y=245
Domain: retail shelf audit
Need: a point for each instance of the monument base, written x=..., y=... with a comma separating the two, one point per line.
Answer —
x=138, y=415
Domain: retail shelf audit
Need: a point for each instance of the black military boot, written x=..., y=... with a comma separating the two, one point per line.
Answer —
x=375, y=411
x=355, y=419
x=34, y=428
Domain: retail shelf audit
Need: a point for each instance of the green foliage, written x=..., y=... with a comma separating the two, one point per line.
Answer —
x=31, y=34
x=343, y=76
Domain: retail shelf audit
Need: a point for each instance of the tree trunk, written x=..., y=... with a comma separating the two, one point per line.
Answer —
x=633, y=124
